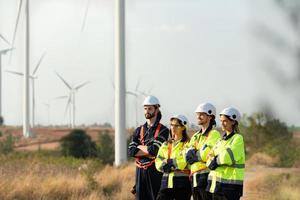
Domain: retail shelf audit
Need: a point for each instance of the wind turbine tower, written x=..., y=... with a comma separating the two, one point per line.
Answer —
x=32, y=77
x=120, y=99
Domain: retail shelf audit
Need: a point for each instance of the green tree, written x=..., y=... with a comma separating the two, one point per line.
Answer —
x=105, y=147
x=7, y=145
x=1, y=121
x=78, y=144
x=263, y=133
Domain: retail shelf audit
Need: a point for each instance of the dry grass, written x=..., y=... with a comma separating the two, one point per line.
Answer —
x=262, y=159
x=37, y=178
x=52, y=177
x=272, y=183
x=117, y=182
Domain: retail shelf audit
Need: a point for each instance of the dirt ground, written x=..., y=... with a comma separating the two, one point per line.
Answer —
x=255, y=173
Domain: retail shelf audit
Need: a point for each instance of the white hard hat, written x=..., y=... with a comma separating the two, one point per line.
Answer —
x=151, y=101
x=232, y=113
x=207, y=108
x=182, y=118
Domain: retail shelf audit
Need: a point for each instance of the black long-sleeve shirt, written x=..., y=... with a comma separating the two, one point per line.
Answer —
x=153, y=144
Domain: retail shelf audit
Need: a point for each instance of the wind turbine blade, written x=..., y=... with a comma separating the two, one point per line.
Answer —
x=63, y=80
x=4, y=39
x=14, y=72
x=67, y=106
x=131, y=93
x=85, y=16
x=18, y=73
x=38, y=64
x=81, y=85
x=16, y=26
x=4, y=51
x=62, y=97
x=143, y=93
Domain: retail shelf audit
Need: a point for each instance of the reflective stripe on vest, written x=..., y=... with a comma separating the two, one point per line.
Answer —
x=184, y=171
x=226, y=181
x=145, y=165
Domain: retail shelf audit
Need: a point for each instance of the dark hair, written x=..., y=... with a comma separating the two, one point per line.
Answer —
x=185, y=137
x=235, y=126
x=212, y=123
x=158, y=117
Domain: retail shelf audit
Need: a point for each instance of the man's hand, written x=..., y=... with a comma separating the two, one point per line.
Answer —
x=191, y=156
x=143, y=148
x=143, y=151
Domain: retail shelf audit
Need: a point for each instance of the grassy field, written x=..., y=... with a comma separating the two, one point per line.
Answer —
x=42, y=176
x=46, y=175
x=36, y=170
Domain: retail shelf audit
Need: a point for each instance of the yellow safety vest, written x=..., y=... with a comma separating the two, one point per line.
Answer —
x=175, y=151
x=203, y=144
x=231, y=160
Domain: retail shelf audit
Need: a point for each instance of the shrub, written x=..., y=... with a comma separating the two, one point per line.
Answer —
x=105, y=148
x=78, y=144
x=7, y=145
x=263, y=133
x=1, y=121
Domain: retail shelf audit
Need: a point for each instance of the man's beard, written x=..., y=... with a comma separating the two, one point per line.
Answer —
x=201, y=122
x=149, y=115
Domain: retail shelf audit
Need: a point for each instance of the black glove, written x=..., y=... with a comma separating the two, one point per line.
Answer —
x=133, y=190
x=191, y=156
x=169, y=166
x=213, y=164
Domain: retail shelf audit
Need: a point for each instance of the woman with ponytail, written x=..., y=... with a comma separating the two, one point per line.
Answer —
x=227, y=159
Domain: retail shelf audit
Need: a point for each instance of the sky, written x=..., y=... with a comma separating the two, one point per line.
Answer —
x=185, y=52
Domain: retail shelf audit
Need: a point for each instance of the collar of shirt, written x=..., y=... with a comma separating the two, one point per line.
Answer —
x=226, y=137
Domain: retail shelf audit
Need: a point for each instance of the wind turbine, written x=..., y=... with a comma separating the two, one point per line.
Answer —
x=32, y=77
x=4, y=39
x=71, y=97
x=120, y=100
x=48, y=105
x=67, y=109
x=2, y=52
x=137, y=94
x=26, y=105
